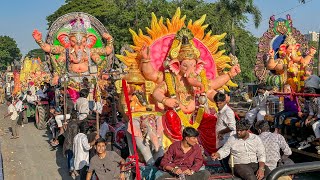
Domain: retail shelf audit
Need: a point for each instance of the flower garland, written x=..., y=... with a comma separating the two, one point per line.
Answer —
x=172, y=92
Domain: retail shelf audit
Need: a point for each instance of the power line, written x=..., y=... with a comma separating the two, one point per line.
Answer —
x=301, y=4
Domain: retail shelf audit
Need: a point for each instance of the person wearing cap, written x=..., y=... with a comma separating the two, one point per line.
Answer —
x=248, y=153
x=273, y=143
x=260, y=104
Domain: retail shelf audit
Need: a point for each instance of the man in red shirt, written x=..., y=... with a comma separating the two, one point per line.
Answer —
x=184, y=158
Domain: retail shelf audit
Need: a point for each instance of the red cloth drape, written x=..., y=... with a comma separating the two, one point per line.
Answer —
x=207, y=131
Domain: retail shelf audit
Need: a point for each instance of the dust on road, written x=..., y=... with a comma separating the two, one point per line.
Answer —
x=30, y=156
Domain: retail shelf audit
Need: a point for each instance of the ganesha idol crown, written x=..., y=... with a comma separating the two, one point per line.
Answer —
x=289, y=40
x=184, y=50
x=78, y=30
x=77, y=27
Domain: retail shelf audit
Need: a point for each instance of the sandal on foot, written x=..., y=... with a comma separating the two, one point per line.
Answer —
x=54, y=144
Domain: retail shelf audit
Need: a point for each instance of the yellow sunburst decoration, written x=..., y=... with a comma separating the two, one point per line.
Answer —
x=216, y=61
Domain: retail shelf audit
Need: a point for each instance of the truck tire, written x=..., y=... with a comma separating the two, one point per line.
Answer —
x=41, y=116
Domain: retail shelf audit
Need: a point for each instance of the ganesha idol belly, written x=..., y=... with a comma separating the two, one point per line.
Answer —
x=79, y=68
x=79, y=60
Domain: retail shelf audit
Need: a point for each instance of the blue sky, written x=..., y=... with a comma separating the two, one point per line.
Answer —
x=19, y=17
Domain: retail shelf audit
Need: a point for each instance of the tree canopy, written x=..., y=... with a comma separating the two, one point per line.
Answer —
x=9, y=51
x=120, y=15
x=35, y=53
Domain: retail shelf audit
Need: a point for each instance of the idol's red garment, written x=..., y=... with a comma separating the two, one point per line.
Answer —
x=175, y=157
x=173, y=129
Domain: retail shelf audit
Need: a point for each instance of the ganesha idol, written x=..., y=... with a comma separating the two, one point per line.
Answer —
x=283, y=55
x=185, y=68
x=76, y=47
x=290, y=62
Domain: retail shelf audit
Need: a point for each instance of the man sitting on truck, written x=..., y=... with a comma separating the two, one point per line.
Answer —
x=260, y=103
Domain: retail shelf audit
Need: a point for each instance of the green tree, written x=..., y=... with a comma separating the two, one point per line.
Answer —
x=316, y=64
x=35, y=53
x=237, y=10
x=120, y=15
x=9, y=51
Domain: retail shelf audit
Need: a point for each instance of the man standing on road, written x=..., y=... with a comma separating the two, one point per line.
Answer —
x=14, y=118
x=19, y=110
x=248, y=152
x=82, y=104
x=106, y=163
x=81, y=149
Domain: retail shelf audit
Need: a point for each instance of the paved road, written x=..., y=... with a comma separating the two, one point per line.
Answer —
x=30, y=157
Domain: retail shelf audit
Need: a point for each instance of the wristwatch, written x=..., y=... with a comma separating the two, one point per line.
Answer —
x=262, y=168
x=173, y=169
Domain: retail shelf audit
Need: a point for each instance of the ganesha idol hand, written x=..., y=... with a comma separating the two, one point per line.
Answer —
x=170, y=102
x=271, y=53
x=145, y=54
x=107, y=36
x=235, y=70
x=312, y=51
x=37, y=35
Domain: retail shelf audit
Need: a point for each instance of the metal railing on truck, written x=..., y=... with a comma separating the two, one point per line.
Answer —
x=294, y=169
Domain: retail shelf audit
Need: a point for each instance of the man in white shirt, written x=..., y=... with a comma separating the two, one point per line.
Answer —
x=260, y=104
x=32, y=88
x=248, y=153
x=31, y=99
x=81, y=149
x=82, y=104
x=40, y=93
x=226, y=124
x=273, y=143
x=19, y=109
x=13, y=117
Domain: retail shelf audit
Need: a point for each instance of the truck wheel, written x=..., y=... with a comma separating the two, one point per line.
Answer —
x=41, y=116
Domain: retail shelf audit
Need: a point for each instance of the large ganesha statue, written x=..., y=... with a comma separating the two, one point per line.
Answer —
x=283, y=55
x=179, y=68
x=75, y=47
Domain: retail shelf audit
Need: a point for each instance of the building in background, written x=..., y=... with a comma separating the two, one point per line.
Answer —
x=312, y=36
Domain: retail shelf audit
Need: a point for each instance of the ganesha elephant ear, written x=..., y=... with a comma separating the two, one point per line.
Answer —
x=283, y=48
x=297, y=46
x=64, y=39
x=91, y=40
x=174, y=66
x=199, y=66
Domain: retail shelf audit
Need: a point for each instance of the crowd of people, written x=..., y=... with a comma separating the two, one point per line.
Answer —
x=84, y=148
x=247, y=145
x=300, y=113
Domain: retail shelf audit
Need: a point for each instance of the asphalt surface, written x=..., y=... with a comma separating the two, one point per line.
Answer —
x=30, y=157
